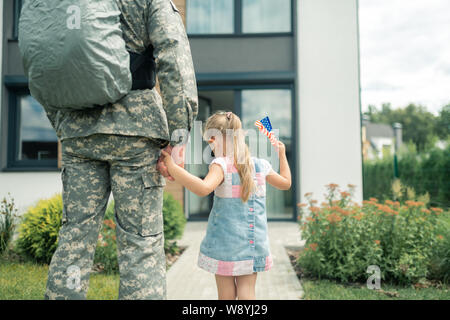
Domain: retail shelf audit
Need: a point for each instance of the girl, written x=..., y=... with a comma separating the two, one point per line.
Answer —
x=236, y=245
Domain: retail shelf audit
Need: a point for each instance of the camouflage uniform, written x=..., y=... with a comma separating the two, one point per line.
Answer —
x=116, y=148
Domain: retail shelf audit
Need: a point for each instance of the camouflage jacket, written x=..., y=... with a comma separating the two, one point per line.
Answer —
x=145, y=112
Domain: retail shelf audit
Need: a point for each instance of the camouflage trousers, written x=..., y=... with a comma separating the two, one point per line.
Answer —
x=94, y=166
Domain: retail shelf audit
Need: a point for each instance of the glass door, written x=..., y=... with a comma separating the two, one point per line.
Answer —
x=277, y=105
x=250, y=105
x=198, y=208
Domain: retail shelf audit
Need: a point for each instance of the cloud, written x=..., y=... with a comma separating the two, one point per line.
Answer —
x=405, y=50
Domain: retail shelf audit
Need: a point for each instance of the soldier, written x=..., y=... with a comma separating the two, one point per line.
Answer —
x=116, y=148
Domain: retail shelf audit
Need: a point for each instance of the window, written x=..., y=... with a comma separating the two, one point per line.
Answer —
x=32, y=139
x=264, y=16
x=210, y=17
x=237, y=17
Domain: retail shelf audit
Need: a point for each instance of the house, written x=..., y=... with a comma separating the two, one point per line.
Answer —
x=379, y=139
x=294, y=61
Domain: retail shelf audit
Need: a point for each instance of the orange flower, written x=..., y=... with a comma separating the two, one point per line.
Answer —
x=301, y=205
x=308, y=194
x=310, y=219
x=110, y=223
x=389, y=202
x=359, y=216
x=344, y=212
x=314, y=209
x=333, y=217
x=351, y=186
x=440, y=237
x=313, y=246
x=386, y=209
x=424, y=210
x=373, y=199
x=411, y=203
x=332, y=186
x=437, y=210
x=377, y=241
x=345, y=194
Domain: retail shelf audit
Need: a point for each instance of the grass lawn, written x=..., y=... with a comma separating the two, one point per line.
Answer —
x=26, y=281
x=324, y=289
x=330, y=290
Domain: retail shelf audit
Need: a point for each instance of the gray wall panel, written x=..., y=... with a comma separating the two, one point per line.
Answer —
x=14, y=66
x=243, y=54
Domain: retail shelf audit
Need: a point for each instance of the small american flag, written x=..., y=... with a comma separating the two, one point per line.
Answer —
x=266, y=128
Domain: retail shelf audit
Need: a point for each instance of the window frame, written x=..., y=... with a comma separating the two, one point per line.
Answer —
x=13, y=127
x=238, y=21
x=17, y=8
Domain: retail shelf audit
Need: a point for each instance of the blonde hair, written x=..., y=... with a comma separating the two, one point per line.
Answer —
x=226, y=123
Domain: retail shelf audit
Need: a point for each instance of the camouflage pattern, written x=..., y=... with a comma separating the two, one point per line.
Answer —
x=93, y=167
x=144, y=112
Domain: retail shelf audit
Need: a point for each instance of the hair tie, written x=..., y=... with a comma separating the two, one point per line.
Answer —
x=229, y=115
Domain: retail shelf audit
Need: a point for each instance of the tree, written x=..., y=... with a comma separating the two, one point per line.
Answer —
x=419, y=125
x=442, y=129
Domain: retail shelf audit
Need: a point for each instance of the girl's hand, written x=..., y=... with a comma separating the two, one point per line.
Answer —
x=281, y=148
x=168, y=161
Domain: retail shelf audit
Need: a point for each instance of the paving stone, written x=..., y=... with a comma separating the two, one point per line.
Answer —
x=186, y=281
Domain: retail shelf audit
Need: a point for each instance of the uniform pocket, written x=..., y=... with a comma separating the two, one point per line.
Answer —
x=152, y=203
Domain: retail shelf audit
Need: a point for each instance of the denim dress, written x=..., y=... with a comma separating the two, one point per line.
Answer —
x=236, y=241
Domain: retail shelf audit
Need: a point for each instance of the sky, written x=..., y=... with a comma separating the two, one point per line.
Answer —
x=405, y=53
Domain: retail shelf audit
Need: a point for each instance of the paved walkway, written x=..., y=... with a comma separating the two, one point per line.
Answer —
x=186, y=281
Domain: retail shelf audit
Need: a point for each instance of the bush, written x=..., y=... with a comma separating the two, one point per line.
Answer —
x=343, y=238
x=106, y=252
x=174, y=222
x=425, y=172
x=38, y=233
x=440, y=261
x=38, y=236
x=7, y=215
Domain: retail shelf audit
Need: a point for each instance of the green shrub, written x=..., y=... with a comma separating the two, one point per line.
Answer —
x=38, y=232
x=425, y=172
x=38, y=235
x=106, y=251
x=174, y=222
x=7, y=215
x=440, y=261
x=343, y=238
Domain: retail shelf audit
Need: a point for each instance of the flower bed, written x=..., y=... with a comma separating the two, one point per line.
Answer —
x=344, y=238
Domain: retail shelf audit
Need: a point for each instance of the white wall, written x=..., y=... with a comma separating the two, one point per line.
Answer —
x=28, y=187
x=329, y=141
